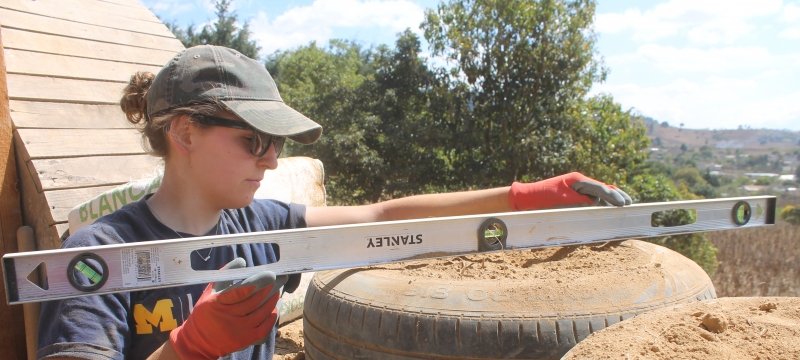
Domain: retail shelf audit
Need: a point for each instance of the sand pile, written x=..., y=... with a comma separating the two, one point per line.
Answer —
x=724, y=328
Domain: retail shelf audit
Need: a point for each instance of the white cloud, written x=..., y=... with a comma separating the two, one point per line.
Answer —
x=791, y=33
x=715, y=104
x=708, y=64
x=642, y=26
x=719, y=31
x=790, y=13
x=320, y=20
x=717, y=88
x=697, y=60
x=701, y=22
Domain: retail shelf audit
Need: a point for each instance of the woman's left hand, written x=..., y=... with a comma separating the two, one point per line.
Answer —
x=573, y=189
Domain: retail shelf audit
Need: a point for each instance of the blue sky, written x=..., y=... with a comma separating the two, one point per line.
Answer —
x=710, y=64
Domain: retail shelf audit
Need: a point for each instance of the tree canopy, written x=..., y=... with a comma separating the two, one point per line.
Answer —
x=526, y=66
x=225, y=31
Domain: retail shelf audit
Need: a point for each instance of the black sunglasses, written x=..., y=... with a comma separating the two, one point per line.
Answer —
x=259, y=143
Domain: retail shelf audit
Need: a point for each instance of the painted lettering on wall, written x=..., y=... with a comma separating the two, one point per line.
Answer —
x=111, y=201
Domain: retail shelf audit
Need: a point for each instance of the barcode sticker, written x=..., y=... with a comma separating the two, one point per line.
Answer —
x=142, y=267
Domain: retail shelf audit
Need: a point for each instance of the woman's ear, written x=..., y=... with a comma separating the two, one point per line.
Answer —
x=179, y=132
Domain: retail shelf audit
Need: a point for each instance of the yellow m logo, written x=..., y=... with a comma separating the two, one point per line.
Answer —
x=161, y=317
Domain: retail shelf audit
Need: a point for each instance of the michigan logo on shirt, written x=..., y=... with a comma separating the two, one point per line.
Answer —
x=161, y=317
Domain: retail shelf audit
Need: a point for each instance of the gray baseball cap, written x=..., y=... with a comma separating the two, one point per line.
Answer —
x=206, y=72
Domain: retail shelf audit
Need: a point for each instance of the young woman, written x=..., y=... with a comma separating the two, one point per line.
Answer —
x=216, y=118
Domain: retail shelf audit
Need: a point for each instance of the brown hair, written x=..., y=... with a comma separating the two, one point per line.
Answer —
x=154, y=126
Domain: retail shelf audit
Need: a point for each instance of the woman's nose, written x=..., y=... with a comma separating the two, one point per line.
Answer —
x=269, y=160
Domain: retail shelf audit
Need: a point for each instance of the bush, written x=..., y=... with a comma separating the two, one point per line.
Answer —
x=697, y=246
x=791, y=214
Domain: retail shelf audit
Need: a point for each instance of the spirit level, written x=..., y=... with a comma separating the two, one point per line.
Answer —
x=155, y=264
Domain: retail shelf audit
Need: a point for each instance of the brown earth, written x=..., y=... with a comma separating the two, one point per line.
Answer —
x=289, y=342
x=537, y=276
x=571, y=262
x=760, y=328
x=724, y=328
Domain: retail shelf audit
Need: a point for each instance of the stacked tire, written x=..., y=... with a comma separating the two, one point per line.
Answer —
x=393, y=313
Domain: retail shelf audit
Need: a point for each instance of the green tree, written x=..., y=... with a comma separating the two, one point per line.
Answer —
x=609, y=143
x=328, y=84
x=413, y=139
x=225, y=31
x=526, y=64
x=381, y=107
x=694, y=181
x=791, y=214
x=648, y=187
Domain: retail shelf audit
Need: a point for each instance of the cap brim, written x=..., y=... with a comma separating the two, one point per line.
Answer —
x=276, y=118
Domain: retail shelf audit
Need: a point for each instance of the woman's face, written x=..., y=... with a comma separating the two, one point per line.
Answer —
x=222, y=162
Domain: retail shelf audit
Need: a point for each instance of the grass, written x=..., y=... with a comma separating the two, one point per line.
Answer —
x=758, y=262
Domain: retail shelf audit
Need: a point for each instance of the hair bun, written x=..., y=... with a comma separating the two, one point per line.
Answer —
x=134, y=96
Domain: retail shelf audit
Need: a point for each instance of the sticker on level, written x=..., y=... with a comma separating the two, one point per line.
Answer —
x=142, y=267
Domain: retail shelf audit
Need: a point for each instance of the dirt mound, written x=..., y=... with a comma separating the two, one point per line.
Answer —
x=724, y=328
x=555, y=281
x=526, y=264
x=289, y=342
x=569, y=272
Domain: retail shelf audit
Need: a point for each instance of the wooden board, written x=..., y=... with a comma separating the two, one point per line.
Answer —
x=57, y=174
x=38, y=88
x=61, y=227
x=12, y=340
x=37, y=212
x=41, y=64
x=20, y=20
x=68, y=61
x=62, y=201
x=57, y=143
x=33, y=114
x=95, y=13
x=54, y=44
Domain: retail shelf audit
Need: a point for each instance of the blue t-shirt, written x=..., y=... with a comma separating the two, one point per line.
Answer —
x=132, y=325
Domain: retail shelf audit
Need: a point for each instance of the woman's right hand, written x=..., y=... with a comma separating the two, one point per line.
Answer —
x=229, y=316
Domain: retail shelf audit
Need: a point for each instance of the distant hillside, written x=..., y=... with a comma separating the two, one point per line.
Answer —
x=734, y=162
x=665, y=136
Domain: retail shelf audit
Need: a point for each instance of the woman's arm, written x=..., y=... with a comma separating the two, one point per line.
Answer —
x=573, y=189
x=413, y=207
x=165, y=352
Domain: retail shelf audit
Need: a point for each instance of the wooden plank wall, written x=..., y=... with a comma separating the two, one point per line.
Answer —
x=66, y=63
x=12, y=342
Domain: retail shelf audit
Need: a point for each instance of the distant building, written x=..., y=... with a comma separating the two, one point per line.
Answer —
x=761, y=175
x=755, y=188
x=787, y=177
x=729, y=144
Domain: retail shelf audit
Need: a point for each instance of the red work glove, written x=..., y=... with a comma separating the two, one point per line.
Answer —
x=229, y=317
x=573, y=189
